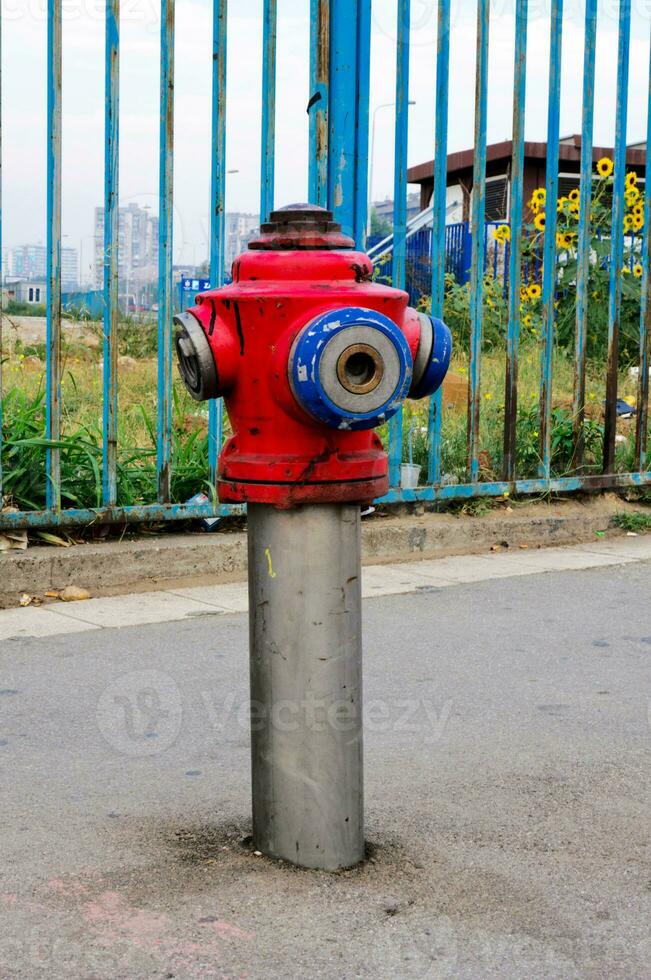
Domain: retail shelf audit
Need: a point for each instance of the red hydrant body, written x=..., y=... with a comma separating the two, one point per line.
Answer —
x=286, y=450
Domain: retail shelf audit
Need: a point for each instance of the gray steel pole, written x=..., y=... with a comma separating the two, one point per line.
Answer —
x=306, y=684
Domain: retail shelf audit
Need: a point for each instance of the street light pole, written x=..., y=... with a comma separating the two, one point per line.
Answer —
x=384, y=105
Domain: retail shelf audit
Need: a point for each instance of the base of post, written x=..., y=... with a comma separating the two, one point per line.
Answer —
x=306, y=684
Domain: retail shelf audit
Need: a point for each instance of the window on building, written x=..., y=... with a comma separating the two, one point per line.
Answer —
x=37, y=295
x=497, y=198
x=31, y=295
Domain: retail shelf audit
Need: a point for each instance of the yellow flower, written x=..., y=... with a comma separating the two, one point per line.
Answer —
x=575, y=195
x=539, y=196
x=502, y=234
x=638, y=210
x=562, y=201
x=605, y=167
x=563, y=241
x=573, y=207
x=488, y=396
x=638, y=222
x=637, y=270
x=631, y=178
x=631, y=196
x=539, y=221
x=528, y=320
x=626, y=271
x=534, y=290
x=628, y=223
x=490, y=303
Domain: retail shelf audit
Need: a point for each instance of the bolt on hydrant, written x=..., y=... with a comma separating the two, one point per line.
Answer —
x=310, y=356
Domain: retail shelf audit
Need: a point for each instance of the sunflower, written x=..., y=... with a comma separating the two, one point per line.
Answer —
x=562, y=201
x=528, y=320
x=502, y=234
x=637, y=270
x=539, y=221
x=638, y=222
x=539, y=197
x=563, y=241
x=638, y=210
x=575, y=195
x=573, y=208
x=534, y=291
x=631, y=196
x=628, y=222
x=631, y=178
x=626, y=271
x=605, y=167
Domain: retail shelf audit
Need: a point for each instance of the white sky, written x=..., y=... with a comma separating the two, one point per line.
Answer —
x=24, y=101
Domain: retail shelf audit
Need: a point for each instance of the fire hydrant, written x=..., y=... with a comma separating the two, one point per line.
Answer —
x=310, y=356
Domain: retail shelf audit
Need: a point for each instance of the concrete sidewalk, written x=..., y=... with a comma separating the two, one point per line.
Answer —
x=507, y=790
x=173, y=605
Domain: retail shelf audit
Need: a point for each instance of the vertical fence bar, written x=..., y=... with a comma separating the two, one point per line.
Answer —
x=268, y=153
x=439, y=212
x=642, y=423
x=111, y=245
x=585, y=229
x=549, y=245
x=53, y=339
x=318, y=104
x=363, y=95
x=478, y=226
x=617, y=236
x=398, y=262
x=343, y=112
x=165, y=252
x=515, y=249
x=217, y=202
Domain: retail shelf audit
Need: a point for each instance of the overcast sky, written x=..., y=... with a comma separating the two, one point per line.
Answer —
x=24, y=101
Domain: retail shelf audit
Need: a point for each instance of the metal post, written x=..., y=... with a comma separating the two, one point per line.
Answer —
x=306, y=684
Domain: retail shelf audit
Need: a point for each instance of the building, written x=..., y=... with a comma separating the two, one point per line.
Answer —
x=137, y=251
x=498, y=175
x=240, y=229
x=383, y=210
x=34, y=293
x=29, y=262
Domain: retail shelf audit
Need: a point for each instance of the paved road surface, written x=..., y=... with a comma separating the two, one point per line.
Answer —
x=508, y=796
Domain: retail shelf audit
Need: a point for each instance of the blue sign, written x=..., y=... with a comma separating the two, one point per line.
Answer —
x=195, y=285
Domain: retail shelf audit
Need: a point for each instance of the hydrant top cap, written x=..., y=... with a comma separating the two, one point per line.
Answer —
x=301, y=226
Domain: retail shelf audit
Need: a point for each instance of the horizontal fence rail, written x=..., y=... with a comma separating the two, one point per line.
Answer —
x=517, y=292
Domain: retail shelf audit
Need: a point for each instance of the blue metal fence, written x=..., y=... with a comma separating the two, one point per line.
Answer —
x=338, y=119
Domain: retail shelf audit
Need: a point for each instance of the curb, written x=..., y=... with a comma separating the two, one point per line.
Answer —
x=186, y=559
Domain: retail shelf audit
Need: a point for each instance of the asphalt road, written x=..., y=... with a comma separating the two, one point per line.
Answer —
x=507, y=781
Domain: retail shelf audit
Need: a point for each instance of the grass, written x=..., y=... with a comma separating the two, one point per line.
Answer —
x=636, y=522
x=81, y=439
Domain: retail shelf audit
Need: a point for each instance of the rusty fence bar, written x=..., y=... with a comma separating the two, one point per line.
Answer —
x=515, y=253
x=53, y=330
x=549, y=245
x=165, y=252
x=478, y=250
x=398, y=266
x=617, y=236
x=217, y=203
x=585, y=228
x=439, y=208
x=338, y=101
x=111, y=246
